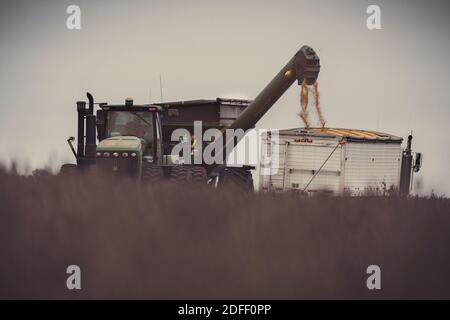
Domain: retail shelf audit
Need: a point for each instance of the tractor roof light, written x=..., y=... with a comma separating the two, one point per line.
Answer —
x=115, y=154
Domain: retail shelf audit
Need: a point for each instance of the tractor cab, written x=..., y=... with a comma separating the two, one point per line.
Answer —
x=128, y=134
x=140, y=125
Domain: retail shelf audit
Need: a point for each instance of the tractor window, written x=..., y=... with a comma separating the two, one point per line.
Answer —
x=138, y=124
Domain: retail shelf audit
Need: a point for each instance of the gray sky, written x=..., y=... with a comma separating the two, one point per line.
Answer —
x=393, y=80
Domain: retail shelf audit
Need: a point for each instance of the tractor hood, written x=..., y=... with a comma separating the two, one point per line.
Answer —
x=120, y=143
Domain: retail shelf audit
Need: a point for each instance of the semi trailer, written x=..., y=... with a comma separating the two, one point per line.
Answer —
x=336, y=160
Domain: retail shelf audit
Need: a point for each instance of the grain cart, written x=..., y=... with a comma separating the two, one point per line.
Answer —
x=136, y=140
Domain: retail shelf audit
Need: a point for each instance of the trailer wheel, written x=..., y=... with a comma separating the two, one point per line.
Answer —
x=236, y=178
x=152, y=174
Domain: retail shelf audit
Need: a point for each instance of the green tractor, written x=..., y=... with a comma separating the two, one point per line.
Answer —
x=134, y=140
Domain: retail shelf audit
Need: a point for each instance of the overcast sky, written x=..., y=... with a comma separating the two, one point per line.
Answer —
x=394, y=80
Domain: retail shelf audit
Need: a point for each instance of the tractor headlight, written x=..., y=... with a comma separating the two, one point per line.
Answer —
x=148, y=159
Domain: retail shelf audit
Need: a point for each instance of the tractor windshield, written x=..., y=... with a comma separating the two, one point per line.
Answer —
x=138, y=124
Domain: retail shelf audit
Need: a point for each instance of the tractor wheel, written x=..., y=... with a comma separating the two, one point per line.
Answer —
x=180, y=174
x=188, y=174
x=236, y=178
x=152, y=174
x=198, y=175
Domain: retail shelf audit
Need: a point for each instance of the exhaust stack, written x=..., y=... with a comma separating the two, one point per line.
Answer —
x=91, y=146
x=86, y=146
x=405, y=173
x=81, y=109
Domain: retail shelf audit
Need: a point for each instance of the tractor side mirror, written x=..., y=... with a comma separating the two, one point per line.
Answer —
x=70, y=142
x=418, y=162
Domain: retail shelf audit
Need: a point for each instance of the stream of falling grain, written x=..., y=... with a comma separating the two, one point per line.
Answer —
x=304, y=104
x=304, y=115
x=316, y=95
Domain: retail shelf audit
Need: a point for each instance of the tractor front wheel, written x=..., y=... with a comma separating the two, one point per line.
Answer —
x=152, y=173
x=188, y=174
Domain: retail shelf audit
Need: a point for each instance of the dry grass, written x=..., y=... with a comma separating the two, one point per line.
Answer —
x=170, y=242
